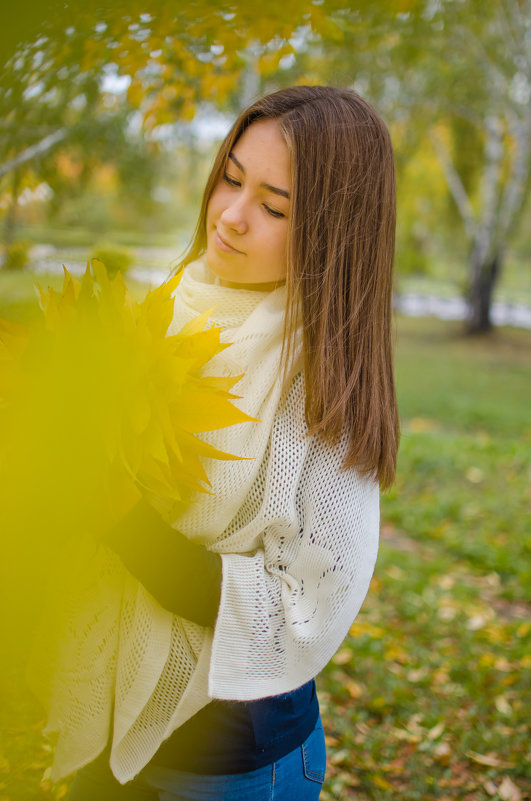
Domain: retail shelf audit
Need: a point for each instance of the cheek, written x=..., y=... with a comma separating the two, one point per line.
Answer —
x=209, y=213
x=214, y=206
x=282, y=242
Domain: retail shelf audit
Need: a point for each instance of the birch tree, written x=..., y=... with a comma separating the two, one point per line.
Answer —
x=490, y=46
x=437, y=68
x=472, y=64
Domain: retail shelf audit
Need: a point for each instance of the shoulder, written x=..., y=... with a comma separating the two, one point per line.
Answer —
x=289, y=429
x=316, y=456
x=293, y=400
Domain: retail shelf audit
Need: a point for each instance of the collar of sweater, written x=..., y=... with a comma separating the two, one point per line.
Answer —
x=200, y=291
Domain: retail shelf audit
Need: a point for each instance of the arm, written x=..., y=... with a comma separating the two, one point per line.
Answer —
x=183, y=576
x=287, y=604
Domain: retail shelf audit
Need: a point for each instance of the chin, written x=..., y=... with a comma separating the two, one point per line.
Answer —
x=217, y=266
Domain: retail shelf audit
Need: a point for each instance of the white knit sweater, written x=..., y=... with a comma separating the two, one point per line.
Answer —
x=298, y=538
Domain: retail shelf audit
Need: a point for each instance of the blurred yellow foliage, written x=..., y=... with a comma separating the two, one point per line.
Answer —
x=96, y=401
x=359, y=629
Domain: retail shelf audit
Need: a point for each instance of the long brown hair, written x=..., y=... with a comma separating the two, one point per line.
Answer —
x=340, y=261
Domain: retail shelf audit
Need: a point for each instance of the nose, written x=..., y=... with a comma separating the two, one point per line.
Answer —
x=234, y=216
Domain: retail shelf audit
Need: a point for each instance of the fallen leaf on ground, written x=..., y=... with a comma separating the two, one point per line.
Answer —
x=436, y=732
x=491, y=760
x=382, y=783
x=342, y=657
x=508, y=790
x=502, y=705
x=354, y=689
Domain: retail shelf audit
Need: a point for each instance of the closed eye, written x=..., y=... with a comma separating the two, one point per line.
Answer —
x=272, y=212
x=234, y=182
x=231, y=181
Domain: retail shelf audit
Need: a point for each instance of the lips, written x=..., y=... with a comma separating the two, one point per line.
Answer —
x=224, y=246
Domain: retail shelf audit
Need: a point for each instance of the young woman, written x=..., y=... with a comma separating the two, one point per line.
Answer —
x=224, y=617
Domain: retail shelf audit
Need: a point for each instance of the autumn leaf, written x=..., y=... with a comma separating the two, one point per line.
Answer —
x=97, y=401
x=491, y=760
x=508, y=791
x=382, y=783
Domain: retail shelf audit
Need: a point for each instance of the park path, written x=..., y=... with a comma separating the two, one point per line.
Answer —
x=159, y=261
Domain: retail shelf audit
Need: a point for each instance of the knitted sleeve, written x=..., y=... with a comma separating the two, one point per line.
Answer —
x=183, y=576
x=287, y=604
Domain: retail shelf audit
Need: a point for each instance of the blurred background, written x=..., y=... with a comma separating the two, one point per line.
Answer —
x=110, y=116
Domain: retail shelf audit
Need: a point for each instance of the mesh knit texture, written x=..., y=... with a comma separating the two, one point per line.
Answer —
x=298, y=537
x=302, y=552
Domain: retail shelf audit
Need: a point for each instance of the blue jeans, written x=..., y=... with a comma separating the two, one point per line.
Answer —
x=298, y=776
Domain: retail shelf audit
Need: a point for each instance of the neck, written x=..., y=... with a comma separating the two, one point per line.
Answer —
x=267, y=287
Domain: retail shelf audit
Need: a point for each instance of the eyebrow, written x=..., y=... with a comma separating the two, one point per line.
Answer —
x=274, y=189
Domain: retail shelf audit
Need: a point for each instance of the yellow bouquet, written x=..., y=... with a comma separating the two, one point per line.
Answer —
x=99, y=404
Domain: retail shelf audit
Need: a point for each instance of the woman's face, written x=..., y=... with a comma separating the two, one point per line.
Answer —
x=247, y=214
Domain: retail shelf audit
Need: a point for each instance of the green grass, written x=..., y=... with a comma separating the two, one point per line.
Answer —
x=19, y=300
x=430, y=684
x=19, y=296
x=463, y=383
x=81, y=237
x=429, y=696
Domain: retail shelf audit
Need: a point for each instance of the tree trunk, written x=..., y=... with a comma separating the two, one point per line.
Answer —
x=10, y=220
x=484, y=278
